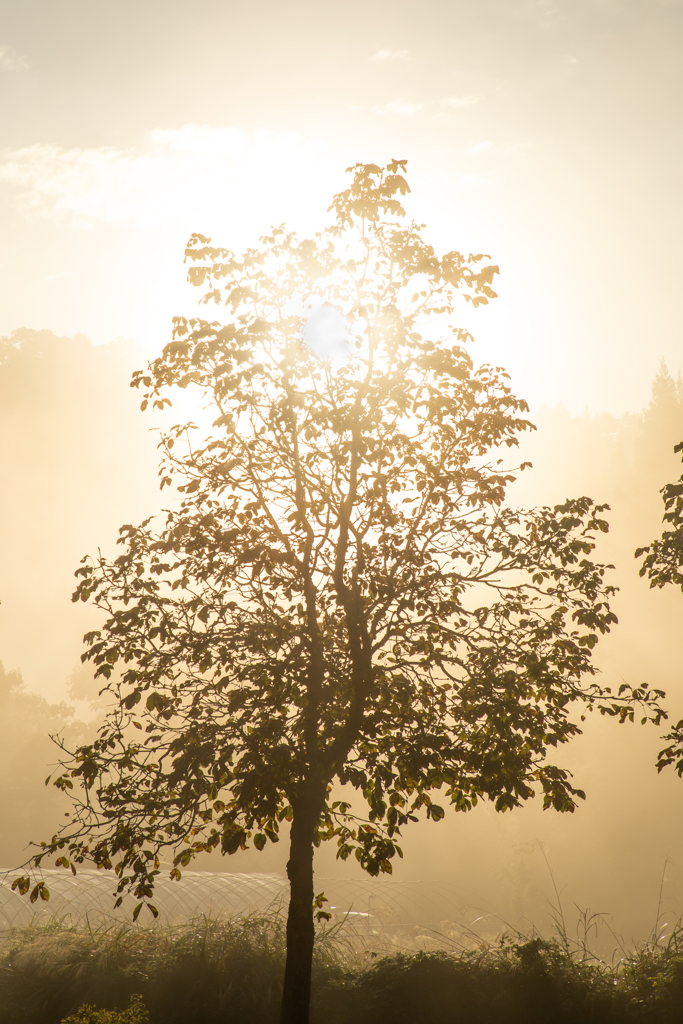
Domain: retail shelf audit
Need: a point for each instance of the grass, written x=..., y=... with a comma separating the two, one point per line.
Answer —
x=213, y=971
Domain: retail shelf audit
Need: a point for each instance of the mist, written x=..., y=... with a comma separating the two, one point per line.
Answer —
x=546, y=133
x=79, y=459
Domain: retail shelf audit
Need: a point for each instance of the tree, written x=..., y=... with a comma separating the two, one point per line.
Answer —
x=340, y=623
x=663, y=564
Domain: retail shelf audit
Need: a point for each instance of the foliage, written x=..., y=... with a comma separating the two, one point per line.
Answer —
x=516, y=981
x=663, y=564
x=663, y=561
x=135, y=1014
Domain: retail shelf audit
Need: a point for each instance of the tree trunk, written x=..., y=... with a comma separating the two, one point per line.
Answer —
x=296, y=993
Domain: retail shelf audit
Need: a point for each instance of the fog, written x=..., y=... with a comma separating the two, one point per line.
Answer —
x=78, y=459
x=545, y=132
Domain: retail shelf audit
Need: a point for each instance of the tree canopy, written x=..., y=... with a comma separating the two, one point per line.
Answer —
x=341, y=626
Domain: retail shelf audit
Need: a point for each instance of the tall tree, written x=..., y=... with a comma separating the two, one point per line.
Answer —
x=341, y=598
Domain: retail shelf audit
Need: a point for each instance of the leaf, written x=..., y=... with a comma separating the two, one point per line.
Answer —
x=39, y=890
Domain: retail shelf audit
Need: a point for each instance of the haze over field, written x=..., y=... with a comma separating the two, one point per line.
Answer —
x=546, y=134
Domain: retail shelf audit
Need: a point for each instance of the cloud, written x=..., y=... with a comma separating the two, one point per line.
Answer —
x=391, y=55
x=399, y=107
x=472, y=179
x=11, y=61
x=58, y=277
x=458, y=101
x=196, y=173
x=482, y=147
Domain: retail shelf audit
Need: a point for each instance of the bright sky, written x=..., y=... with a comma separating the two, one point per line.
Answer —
x=547, y=134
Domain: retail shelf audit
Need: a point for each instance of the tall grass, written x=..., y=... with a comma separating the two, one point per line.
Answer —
x=213, y=971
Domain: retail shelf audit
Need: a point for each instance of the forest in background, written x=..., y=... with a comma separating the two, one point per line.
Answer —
x=78, y=460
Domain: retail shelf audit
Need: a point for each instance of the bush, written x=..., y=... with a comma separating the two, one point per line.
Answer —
x=135, y=1014
x=533, y=982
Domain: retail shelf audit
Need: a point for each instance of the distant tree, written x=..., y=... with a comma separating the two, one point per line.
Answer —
x=75, y=462
x=26, y=753
x=341, y=598
x=666, y=403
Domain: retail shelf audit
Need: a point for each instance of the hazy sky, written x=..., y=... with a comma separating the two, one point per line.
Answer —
x=547, y=134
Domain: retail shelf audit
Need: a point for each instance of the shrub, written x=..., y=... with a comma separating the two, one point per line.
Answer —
x=135, y=1014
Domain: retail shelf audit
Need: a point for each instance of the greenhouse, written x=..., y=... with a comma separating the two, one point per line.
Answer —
x=364, y=905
